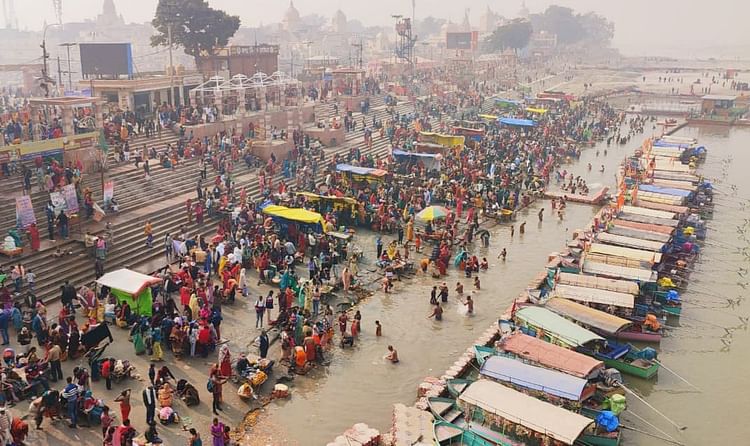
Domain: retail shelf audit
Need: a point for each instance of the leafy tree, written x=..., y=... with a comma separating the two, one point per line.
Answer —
x=598, y=29
x=515, y=35
x=561, y=21
x=428, y=26
x=197, y=27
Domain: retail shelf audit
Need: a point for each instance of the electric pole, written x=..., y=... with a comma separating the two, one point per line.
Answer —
x=59, y=72
x=70, y=79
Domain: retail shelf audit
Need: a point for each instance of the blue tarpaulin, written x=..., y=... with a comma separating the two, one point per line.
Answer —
x=660, y=143
x=517, y=122
x=528, y=376
x=360, y=170
x=664, y=190
x=608, y=420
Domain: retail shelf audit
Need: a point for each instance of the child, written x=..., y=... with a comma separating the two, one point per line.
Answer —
x=418, y=243
x=459, y=288
x=477, y=285
x=378, y=329
x=484, y=265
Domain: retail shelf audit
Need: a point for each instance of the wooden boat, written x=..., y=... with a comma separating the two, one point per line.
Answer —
x=528, y=420
x=445, y=434
x=558, y=330
x=482, y=352
x=446, y=410
x=628, y=359
x=457, y=386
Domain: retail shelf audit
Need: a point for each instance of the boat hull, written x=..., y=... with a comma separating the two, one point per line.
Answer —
x=631, y=369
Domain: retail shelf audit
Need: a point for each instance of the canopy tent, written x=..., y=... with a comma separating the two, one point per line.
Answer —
x=629, y=242
x=508, y=370
x=599, y=283
x=594, y=296
x=552, y=356
x=285, y=215
x=442, y=139
x=637, y=233
x=628, y=253
x=665, y=190
x=507, y=103
x=489, y=117
x=524, y=410
x=540, y=111
x=131, y=287
x=621, y=272
x=590, y=317
x=342, y=201
x=558, y=329
x=364, y=171
x=431, y=161
x=517, y=122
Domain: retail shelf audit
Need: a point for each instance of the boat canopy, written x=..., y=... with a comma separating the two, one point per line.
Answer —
x=677, y=184
x=661, y=229
x=671, y=200
x=629, y=242
x=662, y=206
x=594, y=295
x=556, y=327
x=665, y=190
x=670, y=165
x=517, y=122
x=599, y=283
x=508, y=370
x=526, y=411
x=637, y=233
x=629, y=253
x=648, y=212
x=361, y=170
x=550, y=355
x=622, y=272
x=640, y=218
x=681, y=176
x=588, y=316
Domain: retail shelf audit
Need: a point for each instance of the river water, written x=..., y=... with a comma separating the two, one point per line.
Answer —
x=359, y=386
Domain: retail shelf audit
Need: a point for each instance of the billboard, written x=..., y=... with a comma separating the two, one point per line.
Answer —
x=459, y=40
x=106, y=59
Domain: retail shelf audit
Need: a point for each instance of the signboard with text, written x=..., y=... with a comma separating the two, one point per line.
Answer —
x=25, y=216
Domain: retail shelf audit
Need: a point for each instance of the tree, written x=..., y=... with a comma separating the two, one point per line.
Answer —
x=428, y=26
x=560, y=21
x=515, y=35
x=598, y=30
x=197, y=27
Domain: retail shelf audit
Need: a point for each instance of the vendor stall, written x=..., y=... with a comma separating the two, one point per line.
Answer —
x=429, y=160
x=132, y=288
x=302, y=218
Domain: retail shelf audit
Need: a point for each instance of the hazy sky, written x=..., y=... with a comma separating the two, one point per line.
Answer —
x=642, y=26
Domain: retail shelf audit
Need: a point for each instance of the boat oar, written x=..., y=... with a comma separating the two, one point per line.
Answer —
x=681, y=428
x=658, y=437
x=661, y=364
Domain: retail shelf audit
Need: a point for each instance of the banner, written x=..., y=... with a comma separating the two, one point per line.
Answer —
x=58, y=202
x=25, y=216
x=109, y=192
x=71, y=199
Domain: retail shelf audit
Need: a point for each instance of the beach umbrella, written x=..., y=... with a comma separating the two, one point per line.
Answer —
x=432, y=213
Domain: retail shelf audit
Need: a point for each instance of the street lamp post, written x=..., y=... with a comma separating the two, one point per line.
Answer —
x=45, y=56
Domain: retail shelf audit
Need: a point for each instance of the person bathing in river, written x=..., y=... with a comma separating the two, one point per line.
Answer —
x=484, y=265
x=459, y=288
x=503, y=254
x=437, y=312
x=477, y=284
x=522, y=228
x=392, y=355
x=469, y=305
